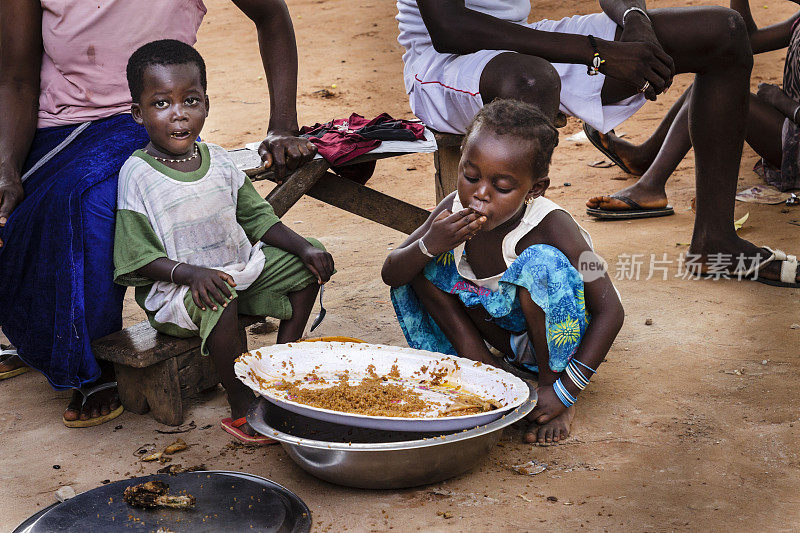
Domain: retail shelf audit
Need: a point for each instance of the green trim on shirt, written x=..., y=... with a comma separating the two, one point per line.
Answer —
x=253, y=213
x=135, y=245
x=177, y=175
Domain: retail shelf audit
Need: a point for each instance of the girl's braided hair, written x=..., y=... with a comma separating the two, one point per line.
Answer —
x=519, y=119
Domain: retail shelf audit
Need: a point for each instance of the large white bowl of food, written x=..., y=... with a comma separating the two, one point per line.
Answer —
x=380, y=387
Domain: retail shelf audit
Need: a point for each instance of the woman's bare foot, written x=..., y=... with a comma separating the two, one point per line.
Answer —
x=647, y=198
x=98, y=404
x=552, y=432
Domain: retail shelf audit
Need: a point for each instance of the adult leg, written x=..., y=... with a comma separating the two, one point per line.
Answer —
x=522, y=77
x=713, y=42
x=639, y=157
x=650, y=190
x=102, y=298
x=764, y=135
x=765, y=131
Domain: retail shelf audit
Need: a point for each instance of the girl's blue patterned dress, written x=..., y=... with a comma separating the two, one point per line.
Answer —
x=544, y=271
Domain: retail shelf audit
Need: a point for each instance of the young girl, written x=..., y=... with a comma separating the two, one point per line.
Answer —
x=195, y=238
x=495, y=265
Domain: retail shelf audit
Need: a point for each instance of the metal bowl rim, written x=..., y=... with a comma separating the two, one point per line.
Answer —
x=259, y=424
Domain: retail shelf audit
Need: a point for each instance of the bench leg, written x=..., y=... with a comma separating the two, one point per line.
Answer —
x=161, y=386
x=129, y=386
x=445, y=161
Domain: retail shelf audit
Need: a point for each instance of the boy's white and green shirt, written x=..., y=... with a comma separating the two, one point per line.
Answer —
x=210, y=217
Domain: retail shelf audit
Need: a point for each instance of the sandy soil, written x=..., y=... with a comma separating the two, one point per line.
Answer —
x=692, y=423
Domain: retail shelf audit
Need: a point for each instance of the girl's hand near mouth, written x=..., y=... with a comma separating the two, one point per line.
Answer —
x=451, y=229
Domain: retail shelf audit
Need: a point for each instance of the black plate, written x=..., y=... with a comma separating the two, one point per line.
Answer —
x=226, y=502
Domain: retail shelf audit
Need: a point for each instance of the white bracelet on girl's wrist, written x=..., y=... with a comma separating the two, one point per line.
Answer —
x=794, y=115
x=424, y=249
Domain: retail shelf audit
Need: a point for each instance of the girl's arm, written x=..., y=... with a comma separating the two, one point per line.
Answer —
x=442, y=232
x=602, y=302
x=319, y=262
x=20, y=63
x=772, y=37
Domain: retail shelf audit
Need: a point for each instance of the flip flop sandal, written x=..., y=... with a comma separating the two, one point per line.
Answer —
x=635, y=211
x=789, y=269
x=232, y=426
x=594, y=137
x=6, y=355
x=789, y=266
x=96, y=421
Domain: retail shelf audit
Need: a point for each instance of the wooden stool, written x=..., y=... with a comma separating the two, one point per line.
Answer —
x=156, y=372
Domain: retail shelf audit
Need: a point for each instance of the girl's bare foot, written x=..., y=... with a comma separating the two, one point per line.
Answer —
x=647, y=198
x=552, y=432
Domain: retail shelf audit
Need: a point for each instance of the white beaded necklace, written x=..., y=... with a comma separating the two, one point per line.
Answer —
x=167, y=160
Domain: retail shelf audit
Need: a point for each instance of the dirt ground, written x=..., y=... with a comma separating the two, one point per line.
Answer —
x=692, y=423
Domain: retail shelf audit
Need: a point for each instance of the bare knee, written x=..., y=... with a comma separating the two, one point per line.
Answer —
x=727, y=32
x=529, y=79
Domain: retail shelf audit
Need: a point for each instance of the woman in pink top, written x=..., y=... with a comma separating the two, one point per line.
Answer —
x=65, y=130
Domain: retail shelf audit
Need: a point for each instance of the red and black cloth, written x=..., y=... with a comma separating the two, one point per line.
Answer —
x=342, y=140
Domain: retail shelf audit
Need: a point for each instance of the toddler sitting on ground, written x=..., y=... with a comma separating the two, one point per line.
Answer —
x=496, y=265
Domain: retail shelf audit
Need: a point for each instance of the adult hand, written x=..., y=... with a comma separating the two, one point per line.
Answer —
x=638, y=58
x=11, y=194
x=319, y=262
x=451, y=229
x=282, y=150
x=548, y=406
x=771, y=94
x=209, y=287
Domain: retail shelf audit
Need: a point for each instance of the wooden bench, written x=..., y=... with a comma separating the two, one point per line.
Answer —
x=157, y=372
x=317, y=181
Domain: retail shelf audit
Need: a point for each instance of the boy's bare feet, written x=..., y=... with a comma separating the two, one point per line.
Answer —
x=647, y=198
x=551, y=432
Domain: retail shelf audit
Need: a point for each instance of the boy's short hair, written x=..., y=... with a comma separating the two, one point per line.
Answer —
x=519, y=119
x=163, y=52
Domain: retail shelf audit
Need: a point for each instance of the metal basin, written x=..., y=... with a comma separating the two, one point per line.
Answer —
x=377, y=459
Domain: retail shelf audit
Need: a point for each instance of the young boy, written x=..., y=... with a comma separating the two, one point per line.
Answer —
x=192, y=234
